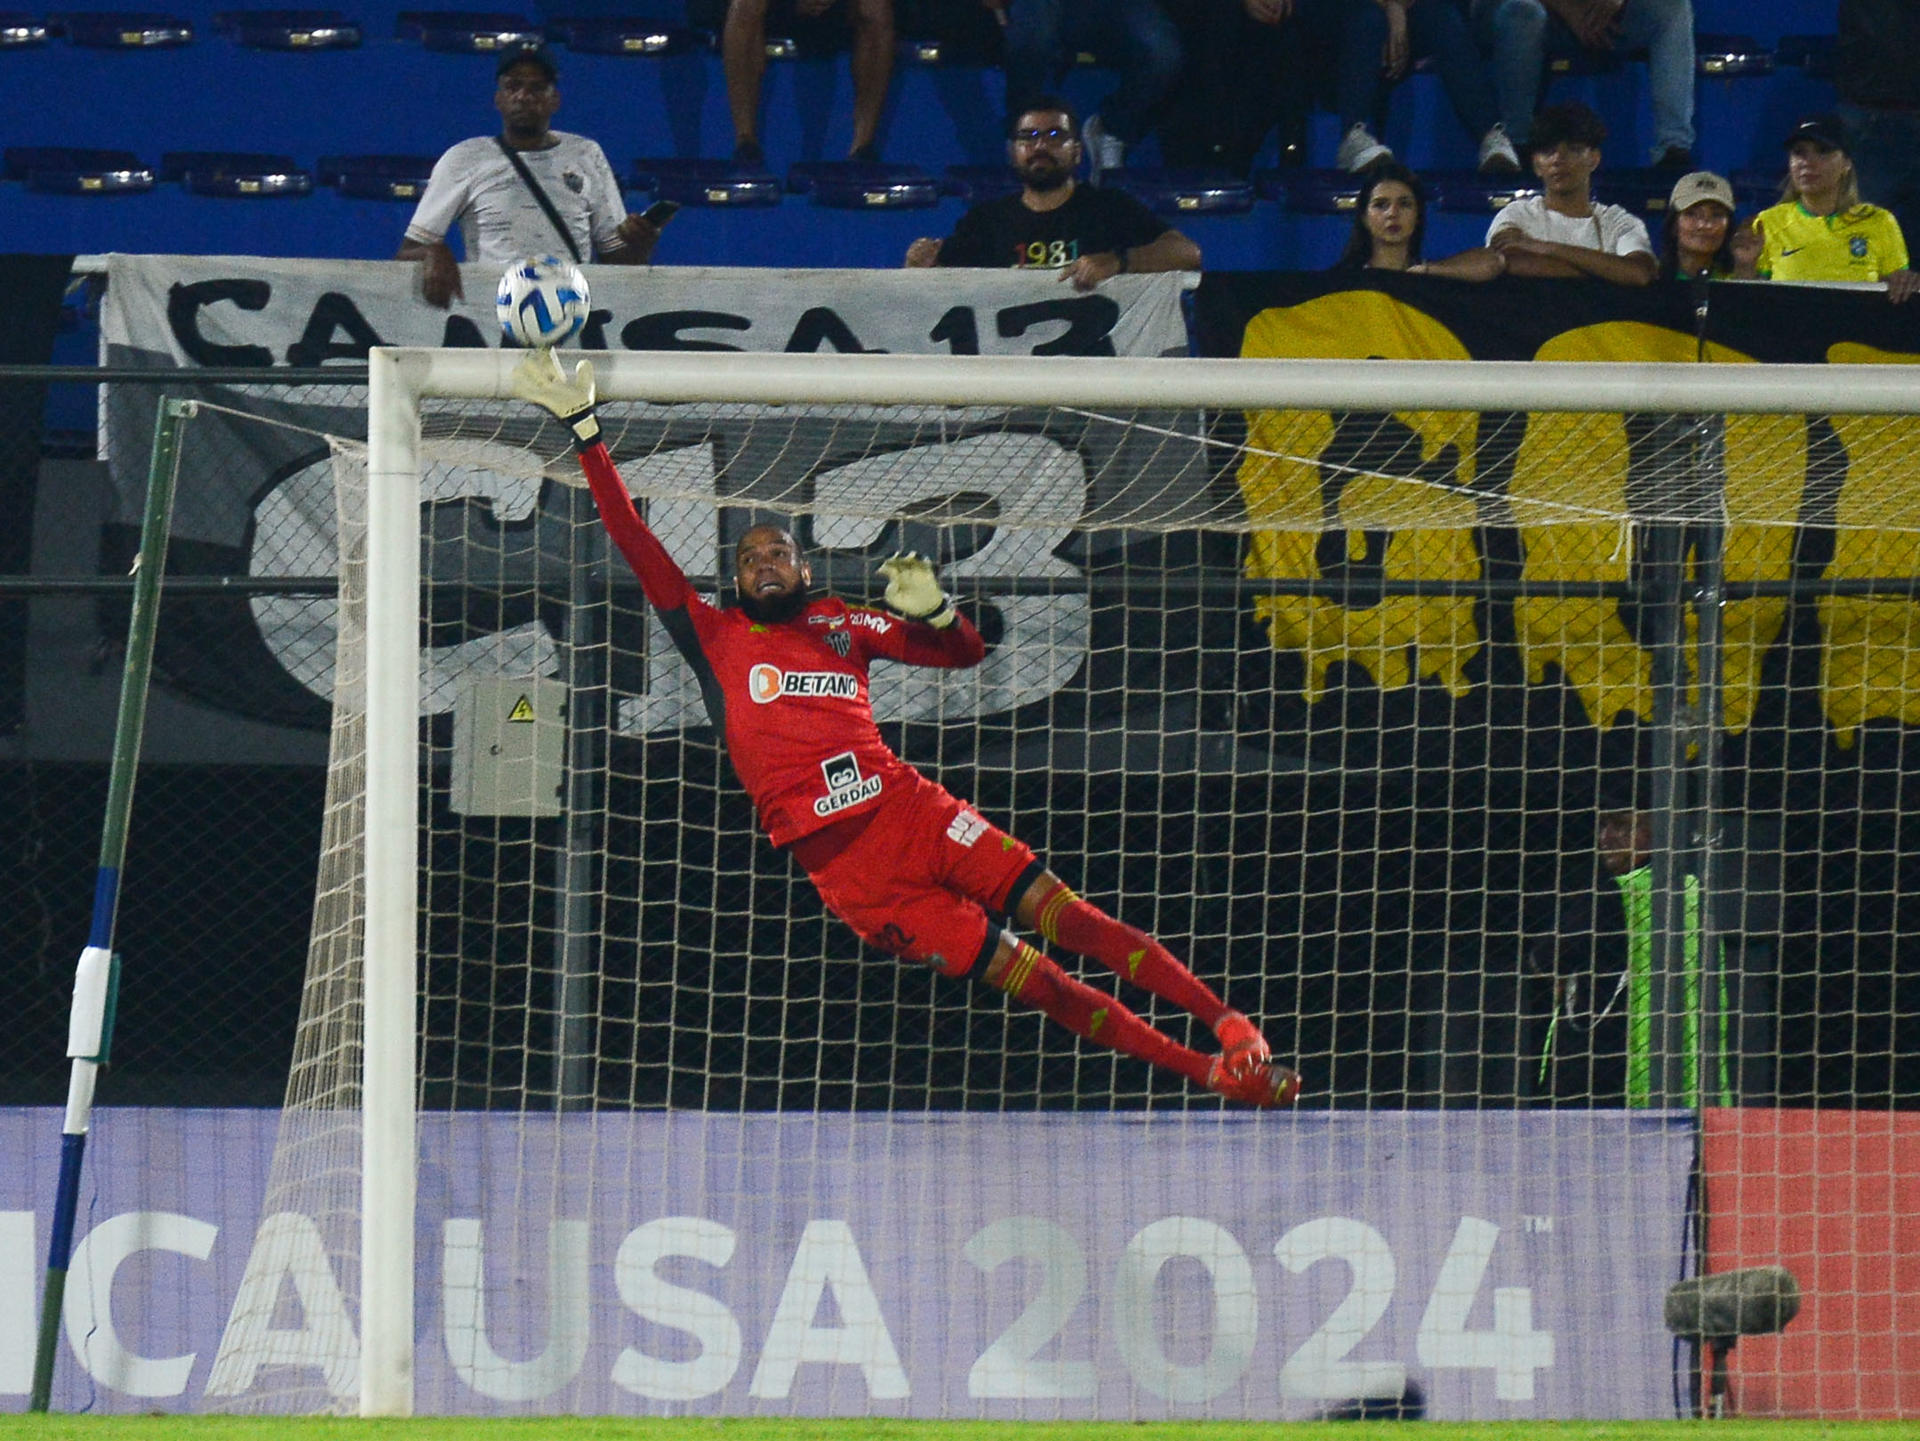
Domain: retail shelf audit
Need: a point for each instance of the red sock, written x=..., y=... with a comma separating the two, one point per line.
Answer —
x=1034, y=980
x=1066, y=920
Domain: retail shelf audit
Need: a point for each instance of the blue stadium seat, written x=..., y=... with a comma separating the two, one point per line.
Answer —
x=638, y=35
x=1643, y=191
x=864, y=185
x=933, y=33
x=1184, y=192
x=240, y=175
x=61, y=170
x=805, y=38
x=1728, y=57
x=1469, y=193
x=17, y=30
x=706, y=182
x=288, y=29
x=1813, y=54
x=467, y=32
x=122, y=29
x=1590, y=62
x=1308, y=191
x=376, y=177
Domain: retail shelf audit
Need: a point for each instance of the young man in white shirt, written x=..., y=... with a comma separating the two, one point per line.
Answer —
x=1564, y=232
x=477, y=185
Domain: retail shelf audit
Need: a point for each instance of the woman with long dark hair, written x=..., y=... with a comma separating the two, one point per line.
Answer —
x=1697, y=238
x=1390, y=225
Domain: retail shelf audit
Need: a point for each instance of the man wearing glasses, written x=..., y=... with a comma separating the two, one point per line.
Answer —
x=478, y=185
x=1055, y=223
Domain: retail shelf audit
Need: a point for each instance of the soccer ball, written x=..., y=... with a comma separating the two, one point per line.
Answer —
x=542, y=301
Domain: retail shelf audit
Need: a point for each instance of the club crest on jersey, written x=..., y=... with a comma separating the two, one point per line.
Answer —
x=768, y=683
x=840, y=642
x=845, y=785
x=574, y=181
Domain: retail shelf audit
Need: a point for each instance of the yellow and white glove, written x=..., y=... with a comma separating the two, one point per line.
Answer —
x=540, y=379
x=913, y=592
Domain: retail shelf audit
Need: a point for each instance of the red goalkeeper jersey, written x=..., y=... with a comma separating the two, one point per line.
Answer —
x=789, y=700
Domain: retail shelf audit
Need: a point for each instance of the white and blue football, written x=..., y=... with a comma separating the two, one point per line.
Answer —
x=542, y=301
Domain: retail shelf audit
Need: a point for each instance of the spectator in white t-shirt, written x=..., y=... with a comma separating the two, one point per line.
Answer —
x=501, y=219
x=1565, y=232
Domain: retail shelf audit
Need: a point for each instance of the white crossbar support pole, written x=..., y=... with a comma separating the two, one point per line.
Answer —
x=393, y=707
x=672, y=376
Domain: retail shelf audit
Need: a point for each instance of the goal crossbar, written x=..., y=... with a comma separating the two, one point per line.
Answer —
x=879, y=379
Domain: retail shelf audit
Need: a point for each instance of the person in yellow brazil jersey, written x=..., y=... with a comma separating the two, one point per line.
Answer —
x=1821, y=229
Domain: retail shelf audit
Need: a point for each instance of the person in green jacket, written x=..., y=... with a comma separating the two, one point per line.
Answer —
x=1596, y=1045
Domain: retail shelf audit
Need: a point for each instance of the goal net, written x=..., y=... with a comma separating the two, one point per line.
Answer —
x=1330, y=677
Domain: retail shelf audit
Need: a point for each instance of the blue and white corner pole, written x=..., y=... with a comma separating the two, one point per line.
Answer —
x=96, y=979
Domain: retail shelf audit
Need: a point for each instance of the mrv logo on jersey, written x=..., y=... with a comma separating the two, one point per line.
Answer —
x=767, y=683
x=845, y=785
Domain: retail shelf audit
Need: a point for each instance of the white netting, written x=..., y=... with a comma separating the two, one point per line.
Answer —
x=309, y=1238
x=1326, y=701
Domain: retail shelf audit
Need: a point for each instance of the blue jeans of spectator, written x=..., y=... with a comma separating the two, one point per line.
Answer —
x=1886, y=161
x=1134, y=36
x=1519, y=34
x=1439, y=29
x=1342, y=35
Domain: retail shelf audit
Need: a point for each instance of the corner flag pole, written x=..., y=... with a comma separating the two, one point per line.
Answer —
x=96, y=979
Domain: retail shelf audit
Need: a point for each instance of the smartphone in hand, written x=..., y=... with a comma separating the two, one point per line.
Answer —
x=660, y=212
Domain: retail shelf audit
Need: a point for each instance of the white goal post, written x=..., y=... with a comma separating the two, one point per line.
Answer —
x=402, y=379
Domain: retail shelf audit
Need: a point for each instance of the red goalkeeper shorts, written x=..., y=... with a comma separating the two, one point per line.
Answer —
x=919, y=880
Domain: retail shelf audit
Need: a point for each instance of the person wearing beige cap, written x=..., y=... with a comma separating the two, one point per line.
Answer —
x=1698, y=236
x=1821, y=229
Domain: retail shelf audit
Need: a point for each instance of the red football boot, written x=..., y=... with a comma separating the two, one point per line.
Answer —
x=1242, y=1047
x=1267, y=1085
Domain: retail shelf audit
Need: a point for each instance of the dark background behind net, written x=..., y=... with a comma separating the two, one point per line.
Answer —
x=1413, y=864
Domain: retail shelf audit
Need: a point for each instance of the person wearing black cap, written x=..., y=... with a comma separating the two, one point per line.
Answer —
x=531, y=190
x=1821, y=229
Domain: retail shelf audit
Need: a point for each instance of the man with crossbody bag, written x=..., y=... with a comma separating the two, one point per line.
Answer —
x=531, y=190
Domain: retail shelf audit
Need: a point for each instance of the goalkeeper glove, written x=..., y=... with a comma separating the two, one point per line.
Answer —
x=540, y=379
x=912, y=590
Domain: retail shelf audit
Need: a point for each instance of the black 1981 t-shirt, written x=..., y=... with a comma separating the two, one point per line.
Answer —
x=1091, y=222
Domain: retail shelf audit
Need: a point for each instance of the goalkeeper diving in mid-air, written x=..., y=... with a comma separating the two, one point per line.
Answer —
x=915, y=871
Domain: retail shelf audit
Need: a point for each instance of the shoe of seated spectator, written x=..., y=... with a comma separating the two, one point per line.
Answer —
x=1104, y=151
x=747, y=154
x=1497, y=155
x=1359, y=149
x=1674, y=157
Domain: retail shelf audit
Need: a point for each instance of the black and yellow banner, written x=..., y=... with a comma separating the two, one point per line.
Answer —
x=1458, y=496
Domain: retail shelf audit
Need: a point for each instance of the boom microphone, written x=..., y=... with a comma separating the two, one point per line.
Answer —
x=1756, y=1301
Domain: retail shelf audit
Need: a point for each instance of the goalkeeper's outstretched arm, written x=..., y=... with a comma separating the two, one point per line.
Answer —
x=540, y=379
x=943, y=637
x=914, y=592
